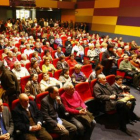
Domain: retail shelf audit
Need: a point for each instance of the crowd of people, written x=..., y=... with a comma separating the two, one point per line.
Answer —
x=38, y=47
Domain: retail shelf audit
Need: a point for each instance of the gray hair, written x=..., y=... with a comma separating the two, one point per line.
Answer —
x=16, y=63
x=67, y=86
x=100, y=76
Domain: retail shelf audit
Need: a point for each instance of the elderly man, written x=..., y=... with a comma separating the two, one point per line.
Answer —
x=10, y=60
x=73, y=103
x=48, y=81
x=32, y=87
x=108, y=99
x=38, y=48
x=6, y=123
x=28, y=119
x=47, y=47
x=126, y=51
x=9, y=84
x=19, y=71
x=51, y=108
x=131, y=70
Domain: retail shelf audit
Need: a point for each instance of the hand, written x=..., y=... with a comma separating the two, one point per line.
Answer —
x=82, y=111
x=5, y=136
x=110, y=58
x=58, y=100
x=39, y=126
x=61, y=127
x=34, y=128
x=113, y=97
x=129, y=69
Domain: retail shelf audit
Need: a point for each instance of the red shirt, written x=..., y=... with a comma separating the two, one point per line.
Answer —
x=72, y=102
x=71, y=63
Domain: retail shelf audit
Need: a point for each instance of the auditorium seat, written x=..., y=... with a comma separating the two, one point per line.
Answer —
x=87, y=70
x=110, y=79
x=23, y=82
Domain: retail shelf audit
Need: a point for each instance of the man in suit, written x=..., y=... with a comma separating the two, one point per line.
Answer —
x=28, y=119
x=2, y=46
x=6, y=123
x=9, y=83
x=51, y=108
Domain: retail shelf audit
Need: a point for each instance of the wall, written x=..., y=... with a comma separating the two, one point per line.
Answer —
x=4, y=2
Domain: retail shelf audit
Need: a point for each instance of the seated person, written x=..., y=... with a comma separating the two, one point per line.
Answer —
x=98, y=70
x=78, y=76
x=28, y=119
x=68, y=46
x=47, y=47
x=75, y=106
x=58, y=41
x=47, y=66
x=24, y=59
x=72, y=62
x=36, y=57
x=16, y=52
x=38, y=48
x=59, y=52
x=131, y=70
x=19, y=71
x=134, y=61
x=4, y=54
x=105, y=94
x=48, y=81
x=51, y=106
x=7, y=127
x=47, y=54
x=120, y=53
x=62, y=64
x=126, y=51
x=64, y=77
x=28, y=50
x=34, y=69
x=32, y=87
x=91, y=53
x=10, y=60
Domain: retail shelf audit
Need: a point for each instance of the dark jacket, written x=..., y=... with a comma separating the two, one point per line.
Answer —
x=60, y=66
x=9, y=82
x=117, y=89
x=49, y=112
x=102, y=93
x=21, y=119
x=2, y=47
x=128, y=53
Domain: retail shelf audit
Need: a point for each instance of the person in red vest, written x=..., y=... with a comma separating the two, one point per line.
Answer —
x=10, y=60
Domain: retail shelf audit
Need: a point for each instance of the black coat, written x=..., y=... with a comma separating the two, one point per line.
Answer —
x=21, y=119
x=102, y=93
x=50, y=113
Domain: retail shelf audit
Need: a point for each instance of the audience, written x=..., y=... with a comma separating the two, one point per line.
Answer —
x=24, y=59
x=59, y=52
x=71, y=62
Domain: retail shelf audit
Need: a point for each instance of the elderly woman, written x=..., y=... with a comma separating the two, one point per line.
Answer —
x=34, y=69
x=84, y=121
x=120, y=52
x=64, y=77
x=48, y=81
x=92, y=53
x=24, y=59
x=36, y=57
x=78, y=76
x=62, y=64
x=47, y=66
x=134, y=61
x=72, y=62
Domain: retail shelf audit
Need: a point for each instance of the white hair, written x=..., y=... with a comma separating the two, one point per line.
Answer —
x=67, y=86
x=126, y=47
x=100, y=76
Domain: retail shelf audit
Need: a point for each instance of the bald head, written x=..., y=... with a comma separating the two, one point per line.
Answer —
x=24, y=100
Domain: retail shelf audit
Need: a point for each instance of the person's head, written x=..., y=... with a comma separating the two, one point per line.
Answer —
x=101, y=79
x=91, y=47
x=97, y=45
x=99, y=68
x=46, y=76
x=47, y=52
x=71, y=56
x=118, y=79
x=28, y=46
x=119, y=50
x=134, y=57
x=23, y=56
x=6, y=50
x=24, y=100
x=1, y=105
x=2, y=42
x=34, y=64
x=69, y=89
x=46, y=61
x=37, y=45
x=15, y=49
x=126, y=48
x=126, y=58
x=35, y=54
x=34, y=77
x=110, y=47
x=10, y=54
x=62, y=58
x=17, y=66
x=65, y=72
x=59, y=49
x=77, y=68
x=47, y=44
x=53, y=92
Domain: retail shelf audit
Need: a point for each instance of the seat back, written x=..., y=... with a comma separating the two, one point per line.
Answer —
x=28, y=65
x=100, y=56
x=119, y=61
x=92, y=83
x=57, y=74
x=15, y=102
x=39, y=98
x=86, y=50
x=87, y=70
x=23, y=82
x=84, y=90
x=61, y=91
x=71, y=71
x=110, y=79
x=55, y=62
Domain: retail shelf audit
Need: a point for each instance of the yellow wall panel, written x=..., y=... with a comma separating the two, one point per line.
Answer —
x=4, y=2
x=84, y=12
x=127, y=30
x=103, y=28
x=110, y=20
x=46, y=3
x=87, y=19
x=106, y=3
x=68, y=18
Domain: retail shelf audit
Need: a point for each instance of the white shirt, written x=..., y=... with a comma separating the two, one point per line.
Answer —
x=28, y=52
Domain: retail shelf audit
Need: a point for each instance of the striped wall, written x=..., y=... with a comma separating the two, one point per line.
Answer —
x=110, y=16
